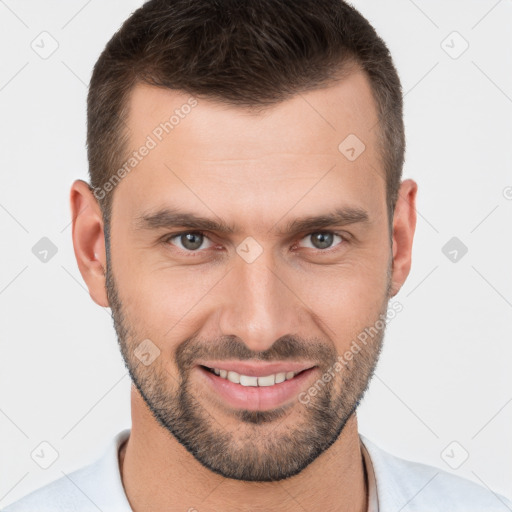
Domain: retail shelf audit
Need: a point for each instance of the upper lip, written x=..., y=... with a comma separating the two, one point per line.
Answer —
x=259, y=369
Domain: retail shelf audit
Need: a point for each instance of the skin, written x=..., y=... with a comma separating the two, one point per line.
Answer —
x=257, y=171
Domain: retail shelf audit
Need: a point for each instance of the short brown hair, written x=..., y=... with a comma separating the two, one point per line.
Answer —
x=250, y=53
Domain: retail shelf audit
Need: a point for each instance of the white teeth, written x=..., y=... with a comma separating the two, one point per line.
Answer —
x=269, y=380
x=234, y=377
x=280, y=377
x=246, y=380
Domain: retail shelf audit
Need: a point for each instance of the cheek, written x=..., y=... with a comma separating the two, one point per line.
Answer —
x=165, y=302
x=169, y=303
x=156, y=296
x=346, y=298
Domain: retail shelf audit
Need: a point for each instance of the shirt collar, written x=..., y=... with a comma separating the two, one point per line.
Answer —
x=373, y=499
x=109, y=465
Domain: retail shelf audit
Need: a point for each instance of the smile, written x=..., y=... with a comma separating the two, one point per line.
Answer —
x=249, y=380
x=256, y=387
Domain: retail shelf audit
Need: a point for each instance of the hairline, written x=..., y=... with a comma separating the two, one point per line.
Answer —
x=348, y=67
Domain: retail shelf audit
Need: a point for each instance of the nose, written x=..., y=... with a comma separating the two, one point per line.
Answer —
x=259, y=303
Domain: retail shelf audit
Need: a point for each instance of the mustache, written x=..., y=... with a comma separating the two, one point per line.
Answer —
x=287, y=347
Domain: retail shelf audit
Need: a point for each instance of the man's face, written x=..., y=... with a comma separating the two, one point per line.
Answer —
x=268, y=291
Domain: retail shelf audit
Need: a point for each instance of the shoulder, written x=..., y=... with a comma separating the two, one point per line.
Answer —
x=412, y=486
x=96, y=486
x=63, y=494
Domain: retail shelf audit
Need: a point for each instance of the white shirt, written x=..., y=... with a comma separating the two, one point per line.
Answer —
x=395, y=485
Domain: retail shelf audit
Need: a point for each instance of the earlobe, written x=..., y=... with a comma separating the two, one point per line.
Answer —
x=89, y=240
x=404, y=225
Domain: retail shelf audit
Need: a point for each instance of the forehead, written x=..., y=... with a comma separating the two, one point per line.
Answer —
x=214, y=151
x=313, y=120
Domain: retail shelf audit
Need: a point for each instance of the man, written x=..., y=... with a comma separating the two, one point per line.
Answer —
x=247, y=224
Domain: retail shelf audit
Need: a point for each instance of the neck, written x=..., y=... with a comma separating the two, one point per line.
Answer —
x=159, y=474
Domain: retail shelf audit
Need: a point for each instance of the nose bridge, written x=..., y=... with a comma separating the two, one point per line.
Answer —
x=258, y=307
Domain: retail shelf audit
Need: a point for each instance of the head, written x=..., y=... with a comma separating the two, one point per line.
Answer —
x=246, y=205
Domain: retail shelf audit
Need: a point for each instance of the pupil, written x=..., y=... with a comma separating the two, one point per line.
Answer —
x=193, y=241
x=322, y=240
x=188, y=240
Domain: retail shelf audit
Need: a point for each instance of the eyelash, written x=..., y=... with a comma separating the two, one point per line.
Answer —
x=194, y=254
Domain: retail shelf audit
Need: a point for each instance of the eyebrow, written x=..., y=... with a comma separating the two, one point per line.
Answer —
x=172, y=218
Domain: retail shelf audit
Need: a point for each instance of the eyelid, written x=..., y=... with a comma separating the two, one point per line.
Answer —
x=167, y=238
x=346, y=237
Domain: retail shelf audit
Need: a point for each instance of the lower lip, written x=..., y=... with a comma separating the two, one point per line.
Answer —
x=256, y=398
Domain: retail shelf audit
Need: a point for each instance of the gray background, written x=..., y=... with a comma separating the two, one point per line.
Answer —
x=443, y=387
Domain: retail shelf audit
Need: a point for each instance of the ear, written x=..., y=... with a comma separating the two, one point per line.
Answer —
x=89, y=240
x=404, y=224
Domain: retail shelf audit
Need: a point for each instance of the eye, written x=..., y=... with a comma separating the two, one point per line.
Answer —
x=322, y=239
x=190, y=241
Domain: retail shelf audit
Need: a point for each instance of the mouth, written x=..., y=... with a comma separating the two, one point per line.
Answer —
x=256, y=387
x=253, y=380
